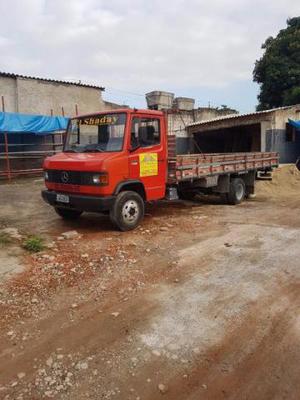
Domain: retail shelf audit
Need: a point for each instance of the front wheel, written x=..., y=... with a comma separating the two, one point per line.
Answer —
x=66, y=213
x=128, y=210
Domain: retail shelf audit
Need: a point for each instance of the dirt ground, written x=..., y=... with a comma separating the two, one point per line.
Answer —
x=201, y=302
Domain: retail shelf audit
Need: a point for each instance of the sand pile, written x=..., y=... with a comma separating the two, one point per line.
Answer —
x=285, y=182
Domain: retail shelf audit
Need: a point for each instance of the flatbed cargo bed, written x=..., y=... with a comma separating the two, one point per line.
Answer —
x=196, y=166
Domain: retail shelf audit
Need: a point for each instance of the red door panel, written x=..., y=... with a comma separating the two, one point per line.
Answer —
x=147, y=154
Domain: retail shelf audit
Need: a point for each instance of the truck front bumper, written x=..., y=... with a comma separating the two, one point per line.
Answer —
x=80, y=202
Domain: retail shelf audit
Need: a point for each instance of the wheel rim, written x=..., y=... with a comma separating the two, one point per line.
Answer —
x=239, y=191
x=130, y=211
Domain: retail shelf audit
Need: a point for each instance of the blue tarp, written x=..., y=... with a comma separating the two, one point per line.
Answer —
x=26, y=123
x=295, y=124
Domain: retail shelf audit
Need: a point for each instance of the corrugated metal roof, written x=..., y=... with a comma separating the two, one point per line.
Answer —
x=237, y=116
x=12, y=75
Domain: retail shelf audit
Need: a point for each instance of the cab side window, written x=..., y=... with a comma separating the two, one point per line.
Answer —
x=145, y=132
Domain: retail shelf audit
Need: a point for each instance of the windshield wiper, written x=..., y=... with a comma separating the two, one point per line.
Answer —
x=95, y=150
x=70, y=151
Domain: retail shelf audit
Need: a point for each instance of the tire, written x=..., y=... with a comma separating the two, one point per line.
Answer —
x=237, y=191
x=128, y=211
x=66, y=213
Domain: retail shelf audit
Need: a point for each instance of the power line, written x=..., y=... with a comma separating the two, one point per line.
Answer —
x=123, y=91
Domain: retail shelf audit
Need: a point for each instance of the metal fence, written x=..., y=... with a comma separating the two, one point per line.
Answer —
x=22, y=154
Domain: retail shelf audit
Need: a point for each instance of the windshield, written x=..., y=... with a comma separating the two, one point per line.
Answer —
x=97, y=133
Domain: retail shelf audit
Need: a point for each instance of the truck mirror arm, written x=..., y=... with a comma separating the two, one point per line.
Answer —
x=133, y=148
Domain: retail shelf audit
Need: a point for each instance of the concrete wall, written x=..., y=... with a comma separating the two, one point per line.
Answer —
x=280, y=117
x=276, y=135
x=8, y=88
x=276, y=140
x=34, y=96
x=113, y=106
x=39, y=97
x=265, y=126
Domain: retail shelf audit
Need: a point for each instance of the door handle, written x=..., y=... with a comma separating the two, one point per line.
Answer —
x=134, y=163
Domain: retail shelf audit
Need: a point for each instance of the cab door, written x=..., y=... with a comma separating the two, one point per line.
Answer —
x=147, y=154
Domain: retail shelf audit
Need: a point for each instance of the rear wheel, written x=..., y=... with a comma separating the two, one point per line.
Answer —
x=66, y=213
x=128, y=210
x=237, y=191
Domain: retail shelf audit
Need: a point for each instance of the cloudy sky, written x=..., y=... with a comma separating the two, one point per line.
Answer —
x=203, y=49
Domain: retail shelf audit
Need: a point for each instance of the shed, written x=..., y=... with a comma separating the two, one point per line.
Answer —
x=269, y=130
x=26, y=139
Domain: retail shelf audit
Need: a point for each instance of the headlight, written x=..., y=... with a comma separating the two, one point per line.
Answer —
x=46, y=175
x=100, y=179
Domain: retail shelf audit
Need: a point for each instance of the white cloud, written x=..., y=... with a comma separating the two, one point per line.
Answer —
x=139, y=45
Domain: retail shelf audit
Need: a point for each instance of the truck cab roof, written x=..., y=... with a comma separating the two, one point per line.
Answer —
x=123, y=110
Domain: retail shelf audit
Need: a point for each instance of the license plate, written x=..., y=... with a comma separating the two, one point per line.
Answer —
x=62, y=198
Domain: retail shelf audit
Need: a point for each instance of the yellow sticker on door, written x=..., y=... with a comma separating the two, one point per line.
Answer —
x=148, y=164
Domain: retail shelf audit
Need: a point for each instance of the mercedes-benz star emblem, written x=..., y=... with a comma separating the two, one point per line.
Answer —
x=64, y=177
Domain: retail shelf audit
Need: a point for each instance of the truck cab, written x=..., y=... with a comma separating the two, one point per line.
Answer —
x=112, y=162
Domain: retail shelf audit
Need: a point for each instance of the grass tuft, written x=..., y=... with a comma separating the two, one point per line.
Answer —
x=5, y=239
x=34, y=244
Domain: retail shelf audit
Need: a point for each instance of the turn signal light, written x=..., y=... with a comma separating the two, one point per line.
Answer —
x=100, y=179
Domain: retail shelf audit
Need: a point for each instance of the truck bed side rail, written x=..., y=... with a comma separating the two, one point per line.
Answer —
x=197, y=166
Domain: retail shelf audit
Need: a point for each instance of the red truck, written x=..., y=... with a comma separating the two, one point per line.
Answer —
x=113, y=162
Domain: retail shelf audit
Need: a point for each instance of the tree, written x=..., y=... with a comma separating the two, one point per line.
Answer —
x=278, y=70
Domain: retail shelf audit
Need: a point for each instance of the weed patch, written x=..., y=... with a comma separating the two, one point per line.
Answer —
x=34, y=244
x=5, y=239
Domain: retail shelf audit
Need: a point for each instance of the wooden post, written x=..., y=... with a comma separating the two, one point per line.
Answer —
x=64, y=134
x=6, y=146
x=7, y=157
x=76, y=109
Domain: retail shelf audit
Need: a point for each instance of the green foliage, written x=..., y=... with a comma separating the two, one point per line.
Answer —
x=292, y=96
x=4, y=239
x=278, y=70
x=34, y=244
x=224, y=107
